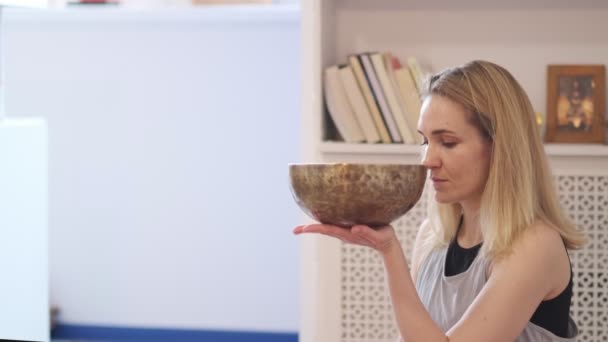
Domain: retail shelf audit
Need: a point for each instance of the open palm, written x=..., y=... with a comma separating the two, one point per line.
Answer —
x=379, y=239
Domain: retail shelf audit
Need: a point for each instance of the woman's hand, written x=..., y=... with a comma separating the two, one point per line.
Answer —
x=381, y=239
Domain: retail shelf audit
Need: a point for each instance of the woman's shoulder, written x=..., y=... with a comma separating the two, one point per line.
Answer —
x=540, y=234
x=539, y=246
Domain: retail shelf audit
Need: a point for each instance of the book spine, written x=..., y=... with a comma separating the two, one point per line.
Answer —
x=391, y=99
x=339, y=108
x=409, y=96
x=417, y=73
x=379, y=96
x=369, y=98
x=355, y=98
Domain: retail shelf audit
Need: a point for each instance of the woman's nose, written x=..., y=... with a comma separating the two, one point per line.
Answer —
x=430, y=159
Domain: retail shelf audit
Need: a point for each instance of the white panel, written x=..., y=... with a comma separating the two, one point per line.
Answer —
x=24, y=309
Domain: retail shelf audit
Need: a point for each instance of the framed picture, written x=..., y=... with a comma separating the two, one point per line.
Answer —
x=576, y=98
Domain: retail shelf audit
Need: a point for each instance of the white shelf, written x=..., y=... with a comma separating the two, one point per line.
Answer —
x=552, y=150
x=330, y=147
x=576, y=150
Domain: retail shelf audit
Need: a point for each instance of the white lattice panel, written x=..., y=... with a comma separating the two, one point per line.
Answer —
x=366, y=309
x=586, y=200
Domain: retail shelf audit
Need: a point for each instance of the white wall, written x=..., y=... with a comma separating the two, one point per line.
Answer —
x=170, y=134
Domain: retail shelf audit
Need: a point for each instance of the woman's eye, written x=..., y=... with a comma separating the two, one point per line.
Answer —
x=425, y=142
x=449, y=144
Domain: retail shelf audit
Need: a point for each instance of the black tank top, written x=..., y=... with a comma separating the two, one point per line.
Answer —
x=551, y=314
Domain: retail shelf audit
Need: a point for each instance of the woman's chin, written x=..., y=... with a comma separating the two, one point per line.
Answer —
x=443, y=198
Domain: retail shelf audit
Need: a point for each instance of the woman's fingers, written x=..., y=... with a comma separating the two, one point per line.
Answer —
x=298, y=230
x=359, y=234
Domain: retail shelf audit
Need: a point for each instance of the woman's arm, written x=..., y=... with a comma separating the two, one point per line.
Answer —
x=516, y=286
x=537, y=269
x=414, y=322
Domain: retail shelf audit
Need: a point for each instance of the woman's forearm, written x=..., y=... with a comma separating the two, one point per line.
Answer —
x=414, y=322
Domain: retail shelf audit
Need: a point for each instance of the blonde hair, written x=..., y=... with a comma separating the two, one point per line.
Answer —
x=520, y=188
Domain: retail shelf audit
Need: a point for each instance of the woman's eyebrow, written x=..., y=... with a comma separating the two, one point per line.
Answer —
x=439, y=131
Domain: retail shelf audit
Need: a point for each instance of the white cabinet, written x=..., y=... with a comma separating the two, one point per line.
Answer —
x=343, y=295
x=23, y=230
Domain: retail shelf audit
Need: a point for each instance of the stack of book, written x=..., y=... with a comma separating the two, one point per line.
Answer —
x=373, y=98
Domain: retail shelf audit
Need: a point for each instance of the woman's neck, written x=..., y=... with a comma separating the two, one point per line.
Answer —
x=469, y=234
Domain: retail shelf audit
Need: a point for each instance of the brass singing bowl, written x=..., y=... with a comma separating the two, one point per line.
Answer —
x=347, y=194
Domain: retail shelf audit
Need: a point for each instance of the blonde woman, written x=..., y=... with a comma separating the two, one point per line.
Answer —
x=490, y=263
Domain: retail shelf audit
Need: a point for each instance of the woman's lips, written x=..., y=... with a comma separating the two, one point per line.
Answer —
x=438, y=182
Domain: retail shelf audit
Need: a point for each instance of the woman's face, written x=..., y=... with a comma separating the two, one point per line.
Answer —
x=455, y=152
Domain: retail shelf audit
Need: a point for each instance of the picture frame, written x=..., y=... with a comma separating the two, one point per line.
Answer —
x=576, y=99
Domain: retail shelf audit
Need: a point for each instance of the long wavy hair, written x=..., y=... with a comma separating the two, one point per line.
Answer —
x=520, y=188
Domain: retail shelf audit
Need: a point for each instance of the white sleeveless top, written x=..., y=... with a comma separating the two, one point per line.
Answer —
x=447, y=298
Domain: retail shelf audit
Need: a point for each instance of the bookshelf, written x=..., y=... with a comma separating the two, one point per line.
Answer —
x=523, y=36
x=440, y=35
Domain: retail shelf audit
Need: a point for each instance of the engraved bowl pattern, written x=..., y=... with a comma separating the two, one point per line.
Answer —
x=347, y=194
